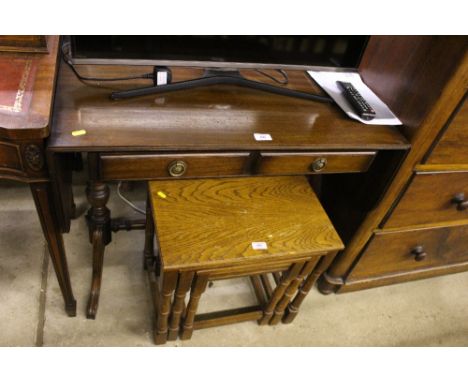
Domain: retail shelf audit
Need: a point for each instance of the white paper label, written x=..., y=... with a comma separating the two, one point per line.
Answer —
x=262, y=137
x=161, y=78
x=259, y=245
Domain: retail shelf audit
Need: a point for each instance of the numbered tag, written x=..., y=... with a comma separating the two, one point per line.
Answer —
x=259, y=245
x=262, y=137
x=161, y=78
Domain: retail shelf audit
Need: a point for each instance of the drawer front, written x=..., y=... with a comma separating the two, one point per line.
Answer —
x=453, y=147
x=406, y=251
x=152, y=166
x=432, y=198
x=10, y=158
x=311, y=163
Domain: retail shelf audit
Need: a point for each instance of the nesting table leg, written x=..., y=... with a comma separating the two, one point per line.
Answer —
x=198, y=288
x=278, y=293
x=169, y=282
x=291, y=291
x=293, y=307
x=183, y=286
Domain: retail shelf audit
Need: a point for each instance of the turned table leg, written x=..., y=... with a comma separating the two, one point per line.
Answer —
x=100, y=235
x=169, y=282
x=42, y=198
x=199, y=286
x=178, y=306
x=293, y=308
x=278, y=293
x=291, y=291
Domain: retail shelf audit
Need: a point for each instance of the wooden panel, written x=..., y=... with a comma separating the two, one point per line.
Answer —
x=153, y=166
x=409, y=72
x=303, y=163
x=10, y=158
x=391, y=252
x=219, y=219
x=428, y=200
x=453, y=146
x=23, y=43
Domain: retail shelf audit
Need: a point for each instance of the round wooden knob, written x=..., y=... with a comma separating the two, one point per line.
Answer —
x=460, y=201
x=319, y=164
x=418, y=252
x=177, y=168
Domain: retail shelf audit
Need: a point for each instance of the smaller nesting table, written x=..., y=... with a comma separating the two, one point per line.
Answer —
x=270, y=229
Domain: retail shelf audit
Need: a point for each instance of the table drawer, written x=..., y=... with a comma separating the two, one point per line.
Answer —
x=406, y=251
x=314, y=162
x=432, y=198
x=151, y=166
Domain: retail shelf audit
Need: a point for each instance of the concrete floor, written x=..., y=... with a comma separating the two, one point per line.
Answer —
x=430, y=312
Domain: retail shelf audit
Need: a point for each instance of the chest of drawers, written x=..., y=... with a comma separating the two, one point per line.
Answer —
x=418, y=228
x=426, y=233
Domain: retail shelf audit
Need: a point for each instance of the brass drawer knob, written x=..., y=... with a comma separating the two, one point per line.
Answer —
x=177, y=168
x=419, y=253
x=460, y=201
x=319, y=164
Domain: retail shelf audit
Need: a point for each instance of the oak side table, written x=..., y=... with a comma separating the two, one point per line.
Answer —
x=225, y=228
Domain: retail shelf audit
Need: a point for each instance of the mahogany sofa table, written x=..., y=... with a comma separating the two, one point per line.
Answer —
x=206, y=132
x=27, y=83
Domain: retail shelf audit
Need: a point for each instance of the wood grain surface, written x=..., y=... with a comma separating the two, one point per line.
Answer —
x=209, y=118
x=205, y=222
x=24, y=43
x=409, y=72
x=452, y=148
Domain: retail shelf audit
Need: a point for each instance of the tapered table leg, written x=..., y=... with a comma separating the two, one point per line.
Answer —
x=100, y=235
x=43, y=199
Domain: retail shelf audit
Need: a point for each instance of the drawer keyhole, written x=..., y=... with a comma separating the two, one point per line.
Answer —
x=177, y=168
x=460, y=201
x=419, y=253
